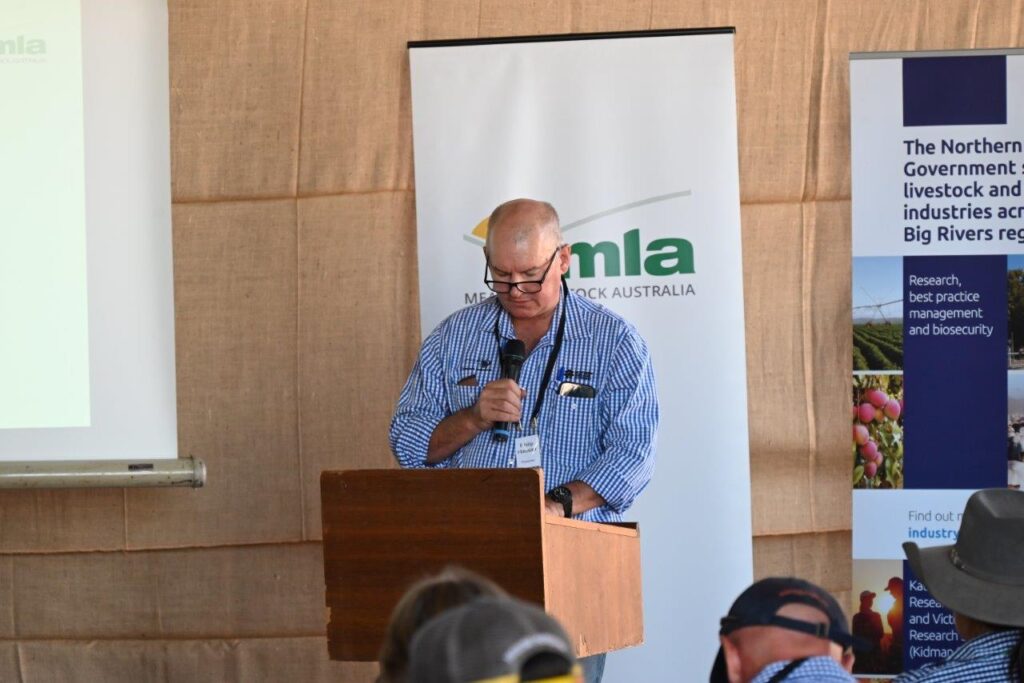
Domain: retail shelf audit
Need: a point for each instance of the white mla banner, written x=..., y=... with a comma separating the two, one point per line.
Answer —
x=633, y=140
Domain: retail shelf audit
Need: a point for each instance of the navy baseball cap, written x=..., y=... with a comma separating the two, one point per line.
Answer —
x=759, y=606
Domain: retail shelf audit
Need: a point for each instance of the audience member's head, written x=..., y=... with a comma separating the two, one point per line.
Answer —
x=980, y=578
x=497, y=640
x=422, y=602
x=780, y=619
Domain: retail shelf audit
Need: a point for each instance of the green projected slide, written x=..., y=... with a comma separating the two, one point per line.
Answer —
x=44, y=325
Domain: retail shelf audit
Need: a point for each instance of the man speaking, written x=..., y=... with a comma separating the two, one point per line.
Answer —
x=584, y=406
x=535, y=377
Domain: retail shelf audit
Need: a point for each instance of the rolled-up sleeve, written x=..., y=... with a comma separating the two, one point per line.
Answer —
x=421, y=406
x=629, y=413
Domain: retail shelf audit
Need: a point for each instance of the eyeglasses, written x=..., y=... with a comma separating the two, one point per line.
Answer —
x=524, y=286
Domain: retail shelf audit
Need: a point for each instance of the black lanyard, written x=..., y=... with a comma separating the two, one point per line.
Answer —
x=551, y=359
x=784, y=672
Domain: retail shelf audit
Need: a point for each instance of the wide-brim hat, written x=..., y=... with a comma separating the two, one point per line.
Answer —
x=982, y=575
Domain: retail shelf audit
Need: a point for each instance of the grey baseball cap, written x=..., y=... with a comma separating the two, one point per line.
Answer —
x=490, y=638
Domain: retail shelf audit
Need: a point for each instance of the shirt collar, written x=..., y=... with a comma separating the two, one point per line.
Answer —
x=988, y=645
x=574, y=325
x=821, y=668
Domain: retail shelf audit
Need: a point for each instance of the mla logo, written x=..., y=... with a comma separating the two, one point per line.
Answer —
x=22, y=46
x=665, y=256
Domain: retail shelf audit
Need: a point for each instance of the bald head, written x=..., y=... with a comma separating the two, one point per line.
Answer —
x=523, y=220
x=524, y=245
x=752, y=648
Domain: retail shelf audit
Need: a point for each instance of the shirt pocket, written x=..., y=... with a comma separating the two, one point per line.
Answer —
x=461, y=392
x=574, y=416
x=463, y=396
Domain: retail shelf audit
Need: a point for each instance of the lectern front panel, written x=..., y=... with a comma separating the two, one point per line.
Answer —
x=385, y=529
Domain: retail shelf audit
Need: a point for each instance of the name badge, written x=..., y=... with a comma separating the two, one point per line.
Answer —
x=528, y=451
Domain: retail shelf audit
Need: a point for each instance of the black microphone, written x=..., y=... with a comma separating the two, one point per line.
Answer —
x=512, y=358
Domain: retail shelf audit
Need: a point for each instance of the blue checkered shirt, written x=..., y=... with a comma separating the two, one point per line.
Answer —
x=984, y=659
x=606, y=441
x=815, y=669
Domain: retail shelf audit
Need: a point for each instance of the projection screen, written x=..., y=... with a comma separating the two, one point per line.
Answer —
x=86, y=285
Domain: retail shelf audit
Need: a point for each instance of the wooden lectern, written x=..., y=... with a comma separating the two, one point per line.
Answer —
x=385, y=529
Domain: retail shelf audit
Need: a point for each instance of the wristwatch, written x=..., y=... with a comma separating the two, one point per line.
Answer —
x=562, y=494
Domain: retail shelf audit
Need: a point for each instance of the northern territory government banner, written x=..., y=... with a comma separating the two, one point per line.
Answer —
x=632, y=137
x=937, y=404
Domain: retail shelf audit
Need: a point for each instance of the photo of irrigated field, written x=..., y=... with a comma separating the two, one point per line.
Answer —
x=877, y=314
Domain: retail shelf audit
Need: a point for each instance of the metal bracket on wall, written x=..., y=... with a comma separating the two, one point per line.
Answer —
x=182, y=472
